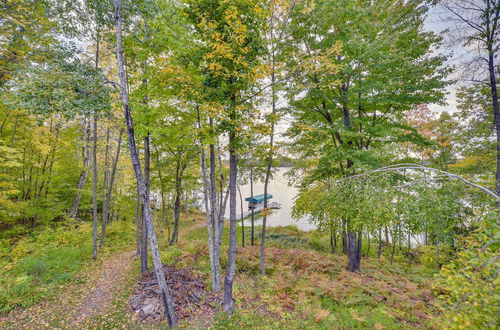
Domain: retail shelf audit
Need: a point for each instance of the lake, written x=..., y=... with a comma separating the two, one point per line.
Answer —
x=283, y=193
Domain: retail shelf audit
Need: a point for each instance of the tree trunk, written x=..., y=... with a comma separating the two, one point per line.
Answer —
x=158, y=267
x=242, y=224
x=177, y=204
x=83, y=175
x=335, y=241
x=14, y=131
x=208, y=210
x=359, y=245
x=269, y=160
x=138, y=220
x=252, y=210
x=107, y=197
x=94, y=191
x=409, y=240
x=393, y=246
x=42, y=177
x=352, y=246
x=379, y=251
x=104, y=212
x=106, y=164
x=216, y=283
x=496, y=112
x=144, y=238
x=332, y=245
x=228, y=283
x=221, y=177
x=52, y=160
x=163, y=197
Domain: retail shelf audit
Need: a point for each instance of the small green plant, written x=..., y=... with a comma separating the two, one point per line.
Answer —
x=49, y=257
x=434, y=257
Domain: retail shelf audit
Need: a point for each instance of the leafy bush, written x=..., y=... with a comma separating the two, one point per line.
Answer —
x=319, y=241
x=469, y=284
x=434, y=257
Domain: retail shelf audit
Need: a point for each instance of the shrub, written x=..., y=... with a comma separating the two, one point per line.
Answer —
x=469, y=284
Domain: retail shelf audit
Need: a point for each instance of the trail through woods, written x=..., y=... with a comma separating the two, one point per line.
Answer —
x=78, y=303
x=98, y=299
x=88, y=300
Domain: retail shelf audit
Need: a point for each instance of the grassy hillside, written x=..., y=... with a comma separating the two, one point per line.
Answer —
x=305, y=287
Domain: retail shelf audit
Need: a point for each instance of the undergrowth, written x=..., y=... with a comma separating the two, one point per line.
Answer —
x=306, y=286
x=32, y=267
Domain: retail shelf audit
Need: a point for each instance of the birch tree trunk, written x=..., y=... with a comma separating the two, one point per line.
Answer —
x=208, y=212
x=104, y=212
x=210, y=202
x=252, y=209
x=107, y=197
x=242, y=224
x=83, y=175
x=158, y=266
x=228, y=282
x=94, y=191
x=144, y=237
x=216, y=284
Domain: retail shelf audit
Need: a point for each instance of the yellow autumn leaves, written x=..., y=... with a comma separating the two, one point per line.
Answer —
x=228, y=46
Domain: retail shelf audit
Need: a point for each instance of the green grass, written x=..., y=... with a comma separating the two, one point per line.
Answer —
x=36, y=264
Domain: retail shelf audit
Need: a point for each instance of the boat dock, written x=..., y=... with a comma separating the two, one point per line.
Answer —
x=256, y=204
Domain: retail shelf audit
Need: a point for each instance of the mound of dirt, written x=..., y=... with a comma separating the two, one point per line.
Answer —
x=190, y=297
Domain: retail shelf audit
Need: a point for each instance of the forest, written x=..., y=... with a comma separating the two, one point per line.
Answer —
x=255, y=164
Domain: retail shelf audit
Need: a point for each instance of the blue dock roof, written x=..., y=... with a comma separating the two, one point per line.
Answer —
x=258, y=198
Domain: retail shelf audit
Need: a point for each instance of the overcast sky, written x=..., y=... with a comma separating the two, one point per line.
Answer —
x=438, y=20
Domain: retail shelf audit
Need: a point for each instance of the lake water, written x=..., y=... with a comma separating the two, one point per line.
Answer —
x=283, y=194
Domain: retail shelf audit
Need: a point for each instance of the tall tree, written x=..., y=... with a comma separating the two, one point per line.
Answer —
x=109, y=187
x=158, y=266
x=279, y=16
x=356, y=81
x=480, y=27
x=232, y=35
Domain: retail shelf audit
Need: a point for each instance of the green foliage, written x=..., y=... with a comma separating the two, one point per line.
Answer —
x=64, y=84
x=26, y=28
x=469, y=284
x=8, y=160
x=33, y=267
x=354, y=83
x=230, y=51
x=433, y=257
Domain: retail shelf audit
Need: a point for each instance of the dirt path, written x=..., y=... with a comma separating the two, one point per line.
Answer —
x=98, y=299
x=77, y=303
x=89, y=297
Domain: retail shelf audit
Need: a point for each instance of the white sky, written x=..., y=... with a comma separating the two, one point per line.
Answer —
x=438, y=21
